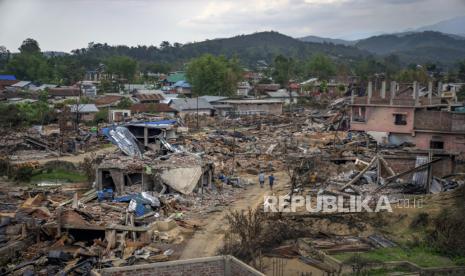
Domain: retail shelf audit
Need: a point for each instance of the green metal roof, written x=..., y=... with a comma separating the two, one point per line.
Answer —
x=178, y=76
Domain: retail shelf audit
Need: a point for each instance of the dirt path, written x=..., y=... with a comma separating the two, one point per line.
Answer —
x=206, y=241
x=70, y=158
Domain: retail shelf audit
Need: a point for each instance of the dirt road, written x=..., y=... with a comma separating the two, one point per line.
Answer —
x=206, y=241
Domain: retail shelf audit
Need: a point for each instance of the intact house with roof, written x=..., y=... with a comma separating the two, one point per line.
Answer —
x=187, y=106
x=220, y=108
x=284, y=95
x=254, y=106
x=64, y=92
x=182, y=87
x=173, y=78
x=407, y=116
x=86, y=112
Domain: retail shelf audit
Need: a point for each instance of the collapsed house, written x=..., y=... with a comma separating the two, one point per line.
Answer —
x=161, y=167
x=182, y=172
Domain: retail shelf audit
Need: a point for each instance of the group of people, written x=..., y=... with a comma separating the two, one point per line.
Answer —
x=261, y=179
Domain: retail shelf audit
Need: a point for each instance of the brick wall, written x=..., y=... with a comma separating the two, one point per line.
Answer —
x=433, y=120
x=400, y=164
x=209, y=266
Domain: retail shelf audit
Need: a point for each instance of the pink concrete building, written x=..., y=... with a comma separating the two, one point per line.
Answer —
x=409, y=115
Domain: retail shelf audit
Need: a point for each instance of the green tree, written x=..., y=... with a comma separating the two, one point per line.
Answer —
x=29, y=46
x=321, y=66
x=33, y=67
x=124, y=103
x=122, y=66
x=283, y=70
x=211, y=75
x=30, y=64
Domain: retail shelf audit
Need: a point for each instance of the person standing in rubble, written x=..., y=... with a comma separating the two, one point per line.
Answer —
x=271, y=180
x=261, y=179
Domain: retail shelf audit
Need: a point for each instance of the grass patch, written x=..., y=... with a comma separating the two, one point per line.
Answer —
x=421, y=256
x=59, y=174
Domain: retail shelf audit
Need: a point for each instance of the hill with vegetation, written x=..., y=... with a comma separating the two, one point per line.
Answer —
x=262, y=46
x=418, y=48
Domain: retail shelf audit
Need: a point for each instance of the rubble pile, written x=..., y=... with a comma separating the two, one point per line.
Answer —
x=149, y=197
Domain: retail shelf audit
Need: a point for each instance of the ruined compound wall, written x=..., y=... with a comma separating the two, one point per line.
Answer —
x=238, y=268
x=381, y=118
x=212, y=266
x=208, y=266
x=269, y=108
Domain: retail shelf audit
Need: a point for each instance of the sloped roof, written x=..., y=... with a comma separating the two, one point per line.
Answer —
x=175, y=77
x=107, y=99
x=190, y=104
x=151, y=107
x=212, y=98
x=64, y=92
x=21, y=84
x=149, y=97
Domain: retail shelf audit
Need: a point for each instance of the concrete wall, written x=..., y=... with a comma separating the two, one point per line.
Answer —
x=209, y=266
x=381, y=119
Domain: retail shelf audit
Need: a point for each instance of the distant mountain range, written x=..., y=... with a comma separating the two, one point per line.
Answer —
x=443, y=42
x=455, y=26
x=417, y=47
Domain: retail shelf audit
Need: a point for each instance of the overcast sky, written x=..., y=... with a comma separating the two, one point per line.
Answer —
x=63, y=25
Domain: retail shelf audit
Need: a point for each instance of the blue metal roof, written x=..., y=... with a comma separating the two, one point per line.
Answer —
x=7, y=77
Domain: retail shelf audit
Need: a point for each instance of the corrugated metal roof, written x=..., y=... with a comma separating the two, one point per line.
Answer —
x=21, y=84
x=175, y=77
x=149, y=97
x=213, y=98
